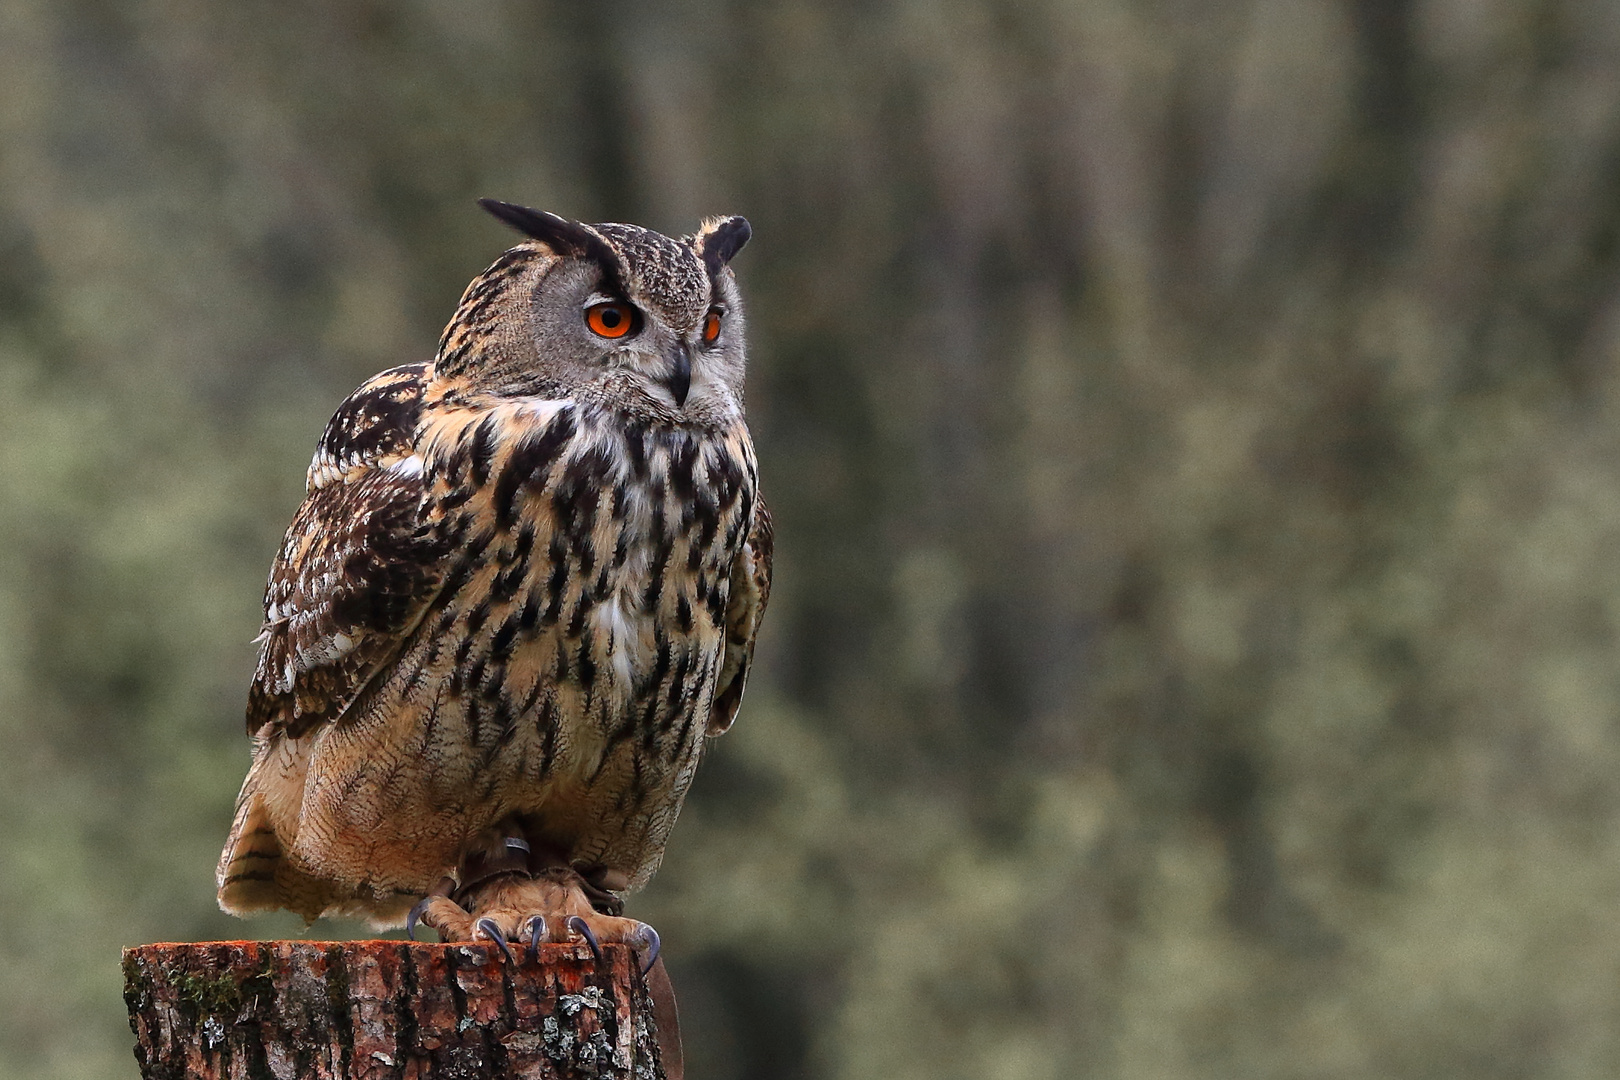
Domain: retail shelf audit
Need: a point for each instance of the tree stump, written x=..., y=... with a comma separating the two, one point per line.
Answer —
x=389, y=1010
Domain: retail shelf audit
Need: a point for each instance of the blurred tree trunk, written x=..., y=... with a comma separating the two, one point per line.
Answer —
x=387, y=1009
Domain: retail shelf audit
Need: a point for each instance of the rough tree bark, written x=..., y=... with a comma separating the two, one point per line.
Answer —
x=388, y=1010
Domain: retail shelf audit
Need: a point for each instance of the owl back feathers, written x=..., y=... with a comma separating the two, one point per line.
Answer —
x=354, y=573
x=358, y=563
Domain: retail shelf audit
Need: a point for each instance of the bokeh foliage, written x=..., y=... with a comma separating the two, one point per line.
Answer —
x=1194, y=436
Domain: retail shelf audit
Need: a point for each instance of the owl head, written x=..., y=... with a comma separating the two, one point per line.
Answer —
x=611, y=313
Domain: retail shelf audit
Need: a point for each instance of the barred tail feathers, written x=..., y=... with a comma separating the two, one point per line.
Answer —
x=248, y=866
x=254, y=873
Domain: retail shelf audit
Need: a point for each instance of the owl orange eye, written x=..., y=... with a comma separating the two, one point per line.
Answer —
x=711, y=326
x=610, y=320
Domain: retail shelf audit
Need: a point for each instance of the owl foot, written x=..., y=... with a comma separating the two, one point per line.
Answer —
x=551, y=906
x=643, y=938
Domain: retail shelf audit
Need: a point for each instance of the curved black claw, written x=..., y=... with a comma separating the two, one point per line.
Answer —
x=537, y=930
x=579, y=926
x=647, y=937
x=490, y=930
x=445, y=886
x=416, y=916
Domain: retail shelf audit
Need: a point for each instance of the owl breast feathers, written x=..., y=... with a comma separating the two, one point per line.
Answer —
x=523, y=586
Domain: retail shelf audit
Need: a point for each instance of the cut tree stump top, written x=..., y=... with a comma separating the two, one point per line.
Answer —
x=314, y=1010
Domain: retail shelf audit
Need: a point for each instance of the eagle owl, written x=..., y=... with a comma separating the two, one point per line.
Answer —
x=522, y=589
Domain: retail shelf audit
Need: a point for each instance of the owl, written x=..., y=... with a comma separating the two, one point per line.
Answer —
x=520, y=594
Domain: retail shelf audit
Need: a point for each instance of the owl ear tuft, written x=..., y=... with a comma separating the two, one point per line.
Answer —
x=719, y=240
x=567, y=238
x=561, y=235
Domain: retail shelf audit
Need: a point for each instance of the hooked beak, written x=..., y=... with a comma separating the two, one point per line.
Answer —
x=680, y=373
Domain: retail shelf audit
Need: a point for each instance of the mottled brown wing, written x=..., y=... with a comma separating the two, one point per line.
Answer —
x=750, y=591
x=357, y=568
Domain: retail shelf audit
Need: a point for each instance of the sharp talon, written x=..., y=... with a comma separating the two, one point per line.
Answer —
x=493, y=932
x=416, y=916
x=517, y=843
x=445, y=887
x=648, y=937
x=537, y=930
x=579, y=926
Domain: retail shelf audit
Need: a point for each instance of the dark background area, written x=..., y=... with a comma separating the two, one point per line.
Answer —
x=1192, y=434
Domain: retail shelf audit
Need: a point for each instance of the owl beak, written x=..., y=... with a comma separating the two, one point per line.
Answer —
x=680, y=373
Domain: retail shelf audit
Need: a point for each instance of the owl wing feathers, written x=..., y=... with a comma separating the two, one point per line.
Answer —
x=750, y=591
x=358, y=566
x=357, y=569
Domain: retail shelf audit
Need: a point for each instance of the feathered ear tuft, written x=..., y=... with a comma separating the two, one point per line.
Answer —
x=561, y=235
x=567, y=238
x=719, y=240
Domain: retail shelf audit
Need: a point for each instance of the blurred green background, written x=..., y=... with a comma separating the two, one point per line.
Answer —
x=1193, y=431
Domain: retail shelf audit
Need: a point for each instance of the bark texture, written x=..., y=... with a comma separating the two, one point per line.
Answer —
x=386, y=1010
